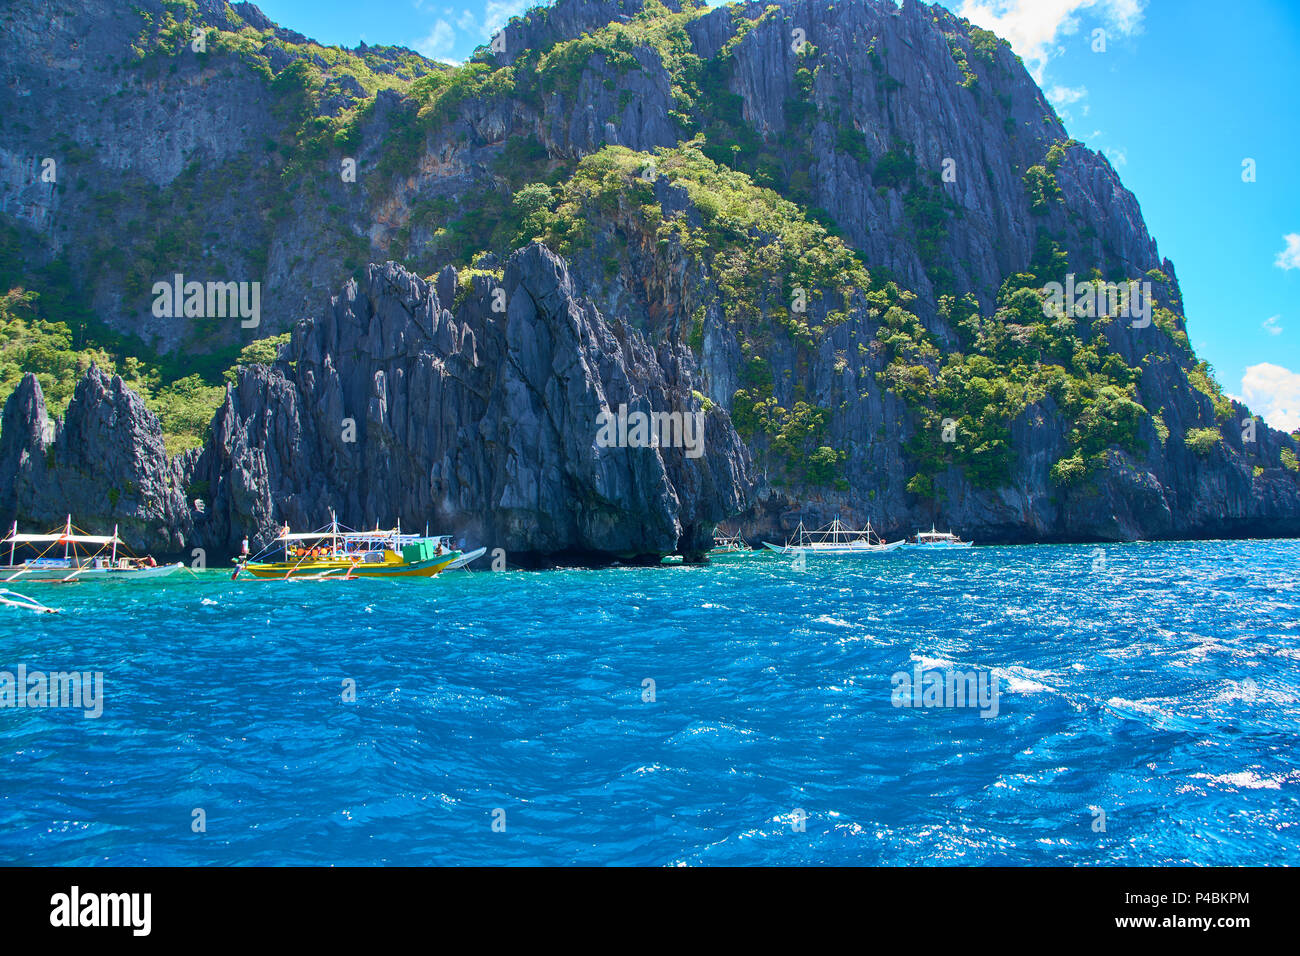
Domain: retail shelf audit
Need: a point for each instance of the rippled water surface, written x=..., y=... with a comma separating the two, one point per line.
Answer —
x=1156, y=683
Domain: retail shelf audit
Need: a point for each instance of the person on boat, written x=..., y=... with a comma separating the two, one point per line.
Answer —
x=243, y=548
x=438, y=549
x=149, y=562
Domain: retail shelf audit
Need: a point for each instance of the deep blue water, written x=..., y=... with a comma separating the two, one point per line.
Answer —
x=1158, y=683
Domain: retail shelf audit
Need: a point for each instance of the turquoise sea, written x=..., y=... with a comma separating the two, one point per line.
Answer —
x=1148, y=713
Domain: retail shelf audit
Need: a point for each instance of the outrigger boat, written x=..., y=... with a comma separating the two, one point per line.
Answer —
x=726, y=547
x=336, y=553
x=937, y=541
x=85, y=557
x=835, y=540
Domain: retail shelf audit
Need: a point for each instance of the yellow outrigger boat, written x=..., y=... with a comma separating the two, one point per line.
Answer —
x=339, y=554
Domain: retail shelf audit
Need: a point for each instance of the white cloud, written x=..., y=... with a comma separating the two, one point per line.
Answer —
x=1126, y=15
x=497, y=12
x=481, y=28
x=441, y=39
x=1289, y=258
x=1273, y=392
x=1271, y=326
x=1060, y=96
x=1033, y=27
x=1117, y=155
x=437, y=45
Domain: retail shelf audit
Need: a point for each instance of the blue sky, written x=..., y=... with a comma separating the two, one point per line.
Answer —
x=1183, y=93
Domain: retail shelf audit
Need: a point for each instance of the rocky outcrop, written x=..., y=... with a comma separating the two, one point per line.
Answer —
x=390, y=407
x=104, y=463
x=541, y=27
x=886, y=76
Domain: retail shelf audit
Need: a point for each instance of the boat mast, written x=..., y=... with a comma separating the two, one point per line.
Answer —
x=114, y=557
x=13, y=543
x=67, y=534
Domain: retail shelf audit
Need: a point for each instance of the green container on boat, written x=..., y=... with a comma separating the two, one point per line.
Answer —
x=418, y=551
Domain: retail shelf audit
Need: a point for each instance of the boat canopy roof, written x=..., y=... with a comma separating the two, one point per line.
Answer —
x=308, y=536
x=19, y=538
x=377, y=534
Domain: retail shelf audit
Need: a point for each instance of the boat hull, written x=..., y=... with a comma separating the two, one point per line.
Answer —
x=62, y=575
x=834, y=551
x=732, y=554
x=946, y=546
x=467, y=558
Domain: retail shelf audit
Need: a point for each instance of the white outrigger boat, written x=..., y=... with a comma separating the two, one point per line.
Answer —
x=835, y=540
x=85, y=557
x=727, y=546
x=937, y=541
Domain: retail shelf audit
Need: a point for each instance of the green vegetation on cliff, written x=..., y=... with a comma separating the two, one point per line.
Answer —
x=762, y=251
x=777, y=273
x=1020, y=357
x=48, y=349
x=1202, y=440
x=653, y=31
